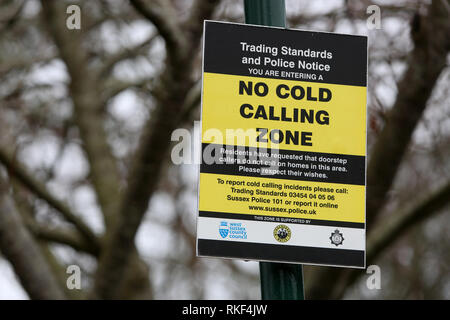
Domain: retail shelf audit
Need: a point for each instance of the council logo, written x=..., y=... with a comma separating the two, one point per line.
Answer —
x=336, y=238
x=282, y=233
x=223, y=229
x=233, y=230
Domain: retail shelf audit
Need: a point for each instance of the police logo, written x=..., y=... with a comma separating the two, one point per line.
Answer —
x=282, y=233
x=336, y=237
x=223, y=229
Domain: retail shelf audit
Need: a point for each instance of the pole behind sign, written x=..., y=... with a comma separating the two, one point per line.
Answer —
x=279, y=281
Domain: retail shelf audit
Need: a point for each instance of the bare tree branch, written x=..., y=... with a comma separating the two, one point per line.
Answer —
x=171, y=92
x=388, y=233
x=21, y=63
x=161, y=16
x=10, y=16
x=193, y=100
x=126, y=53
x=88, y=105
x=352, y=12
x=26, y=211
x=20, y=173
x=113, y=87
x=64, y=236
x=431, y=36
x=201, y=10
x=19, y=247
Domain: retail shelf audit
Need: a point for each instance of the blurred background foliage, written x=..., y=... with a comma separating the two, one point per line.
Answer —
x=85, y=171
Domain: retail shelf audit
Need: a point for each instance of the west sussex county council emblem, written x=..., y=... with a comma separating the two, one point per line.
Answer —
x=223, y=229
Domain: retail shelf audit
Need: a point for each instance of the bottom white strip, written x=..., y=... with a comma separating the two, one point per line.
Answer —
x=266, y=232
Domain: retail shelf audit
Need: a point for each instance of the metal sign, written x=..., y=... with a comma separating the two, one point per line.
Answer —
x=283, y=145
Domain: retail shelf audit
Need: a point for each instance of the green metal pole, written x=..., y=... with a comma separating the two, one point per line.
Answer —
x=279, y=281
x=265, y=12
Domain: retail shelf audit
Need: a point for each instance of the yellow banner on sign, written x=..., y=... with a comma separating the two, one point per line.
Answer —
x=286, y=114
x=282, y=198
